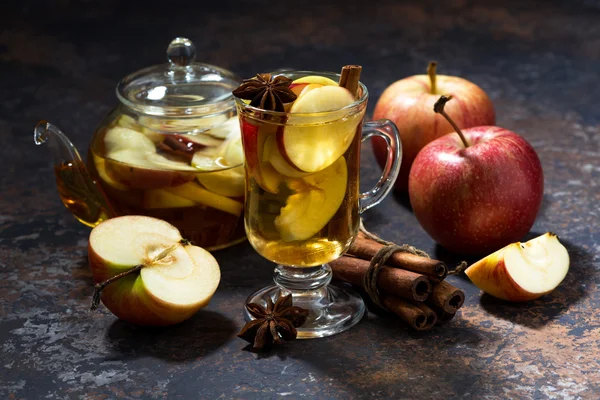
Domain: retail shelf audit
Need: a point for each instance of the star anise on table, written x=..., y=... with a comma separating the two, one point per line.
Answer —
x=266, y=92
x=275, y=324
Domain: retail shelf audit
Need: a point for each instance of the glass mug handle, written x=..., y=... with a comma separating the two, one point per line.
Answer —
x=385, y=129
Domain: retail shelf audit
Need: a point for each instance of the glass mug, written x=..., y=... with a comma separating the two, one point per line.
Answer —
x=303, y=205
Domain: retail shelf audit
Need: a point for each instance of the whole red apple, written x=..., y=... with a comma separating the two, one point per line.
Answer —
x=477, y=194
x=408, y=103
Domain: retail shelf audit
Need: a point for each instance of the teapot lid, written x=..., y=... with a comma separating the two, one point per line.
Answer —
x=180, y=88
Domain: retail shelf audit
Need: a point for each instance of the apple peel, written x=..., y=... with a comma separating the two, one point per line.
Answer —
x=522, y=271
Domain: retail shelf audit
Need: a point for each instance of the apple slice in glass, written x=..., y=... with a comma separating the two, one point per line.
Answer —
x=317, y=199
x=272, y=154
x=165, y=291
x=312, y=148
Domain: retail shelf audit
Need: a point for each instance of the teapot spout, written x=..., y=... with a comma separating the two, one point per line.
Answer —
x=82, y=196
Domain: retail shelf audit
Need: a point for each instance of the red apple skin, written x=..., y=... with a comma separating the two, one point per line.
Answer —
x=409, y=104
x=478, y=199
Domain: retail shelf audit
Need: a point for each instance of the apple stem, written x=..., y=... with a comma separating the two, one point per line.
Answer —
x=431, y=70
x=98, y=287
x=438, y=107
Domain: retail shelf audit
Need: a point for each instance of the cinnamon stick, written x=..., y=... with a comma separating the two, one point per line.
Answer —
x=418, y=316
x=366, y=248
x=349, y=78
x=443, y=316
x=446, y=297
x=392, y=281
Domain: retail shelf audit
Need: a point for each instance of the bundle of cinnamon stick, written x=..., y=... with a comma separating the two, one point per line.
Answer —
x=409, y=285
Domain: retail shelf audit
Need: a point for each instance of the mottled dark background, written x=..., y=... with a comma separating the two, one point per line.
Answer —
x=60, y=60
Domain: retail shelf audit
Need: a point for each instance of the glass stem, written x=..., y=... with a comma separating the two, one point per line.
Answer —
x=293, y=279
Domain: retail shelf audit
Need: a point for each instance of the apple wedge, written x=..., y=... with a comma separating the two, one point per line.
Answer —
x=164, y=281
x=314, y=147
x=321, y=80
x=229, y=182
x=132, y=161
x=258, y=167
x=317, y=199
x=226, y=129
x=193, y=191
x=522, y=271
x=160, y=198
x=272, y=154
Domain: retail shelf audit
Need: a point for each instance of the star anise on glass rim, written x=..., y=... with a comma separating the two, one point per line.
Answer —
x=275, y=324
x=266, y=92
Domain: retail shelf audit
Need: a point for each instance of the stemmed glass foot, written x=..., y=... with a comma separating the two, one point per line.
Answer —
x=332, y=308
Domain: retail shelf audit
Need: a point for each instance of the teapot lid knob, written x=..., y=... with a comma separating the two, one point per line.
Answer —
x=181, y=52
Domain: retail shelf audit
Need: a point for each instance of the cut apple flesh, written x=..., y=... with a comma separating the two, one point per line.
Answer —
x=271, y=153
x=321, y=80
x=198, y=194
x=160, y=198
x=229, y=182
x=185, y=277
x=522, y=271
x=182, y=280
x=318, y=199
x=314, y=147
x=123, y=246
x=229, y=128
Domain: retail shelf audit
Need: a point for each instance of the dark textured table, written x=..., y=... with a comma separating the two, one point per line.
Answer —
x=540, y=63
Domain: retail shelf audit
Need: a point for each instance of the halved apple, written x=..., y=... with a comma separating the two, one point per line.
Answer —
x=314, y=147
x=198, y=194
x=522, y=271
x=317, y=199
x=166, y=290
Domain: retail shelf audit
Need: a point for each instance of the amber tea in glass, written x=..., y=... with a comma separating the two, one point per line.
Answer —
x=302, y=202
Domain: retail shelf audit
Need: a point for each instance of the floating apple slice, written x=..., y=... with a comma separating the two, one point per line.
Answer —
x=226, y=129
x=145, y=170
x=309, y=210
x=229, y=182
x=119, y=138
x=166, y=288
x=258, y=167
x=321, y=80
x=183, y=124
x=198, y=194
x=272, y=154
x=312, y=148
x=522, y=271
x=202, y=139
x=160, y=198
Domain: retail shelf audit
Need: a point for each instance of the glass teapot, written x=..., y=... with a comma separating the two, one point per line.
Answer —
x=171, y=149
